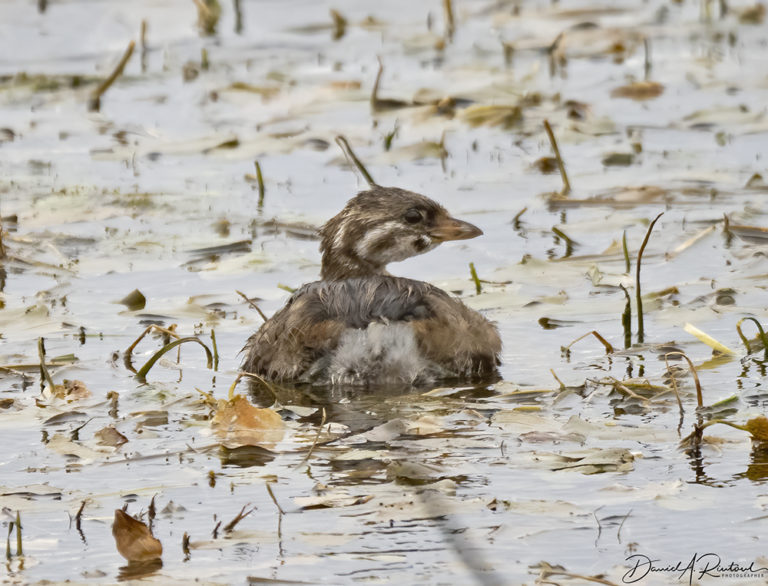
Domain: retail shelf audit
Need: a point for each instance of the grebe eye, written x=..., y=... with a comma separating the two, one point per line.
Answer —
x=413, y=216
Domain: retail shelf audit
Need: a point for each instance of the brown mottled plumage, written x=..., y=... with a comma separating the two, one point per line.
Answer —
x=360, y=325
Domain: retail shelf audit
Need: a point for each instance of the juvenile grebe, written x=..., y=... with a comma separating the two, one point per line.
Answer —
x=359, y=325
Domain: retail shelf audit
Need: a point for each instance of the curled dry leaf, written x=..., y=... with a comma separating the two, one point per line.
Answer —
x=239, y=423
x=639, y=90
x=134, y=540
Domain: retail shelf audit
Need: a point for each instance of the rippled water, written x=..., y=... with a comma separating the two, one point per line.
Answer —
x=452, y=486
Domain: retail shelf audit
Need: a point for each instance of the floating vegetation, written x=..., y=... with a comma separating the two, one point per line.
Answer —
x=208, y=15
x=146, y=227
x=134, y=301
x=506, y=117
x=709, y=340
x=639, y=90
x=339, y=25
x=763, y=339
x=603, y=341
x=239, y=423
x=141, y=374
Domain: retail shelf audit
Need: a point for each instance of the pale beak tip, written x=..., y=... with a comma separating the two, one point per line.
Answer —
x=454, y=229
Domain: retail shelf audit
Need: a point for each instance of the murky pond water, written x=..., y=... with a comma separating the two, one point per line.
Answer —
x=657, y=107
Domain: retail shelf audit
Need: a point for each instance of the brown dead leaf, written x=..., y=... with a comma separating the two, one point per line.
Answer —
x=134, y=540
x=109, y=436
x=639, y=90
x=71, y=390
x=239, y=423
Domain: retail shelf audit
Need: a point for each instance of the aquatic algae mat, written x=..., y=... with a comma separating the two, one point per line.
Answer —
x=131, y=202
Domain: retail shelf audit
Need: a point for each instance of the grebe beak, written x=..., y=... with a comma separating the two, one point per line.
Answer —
x=453, y=229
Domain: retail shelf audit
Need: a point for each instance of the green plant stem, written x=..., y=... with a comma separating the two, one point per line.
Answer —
x=763, y=337
x=142, y=374
x=560, y=164
x=350, y=154
x=640, y=324
x=260, y=182
x=43, y=368
x=475, y=278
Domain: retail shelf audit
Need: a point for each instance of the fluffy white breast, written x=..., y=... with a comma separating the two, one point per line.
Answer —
x=382, y=353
